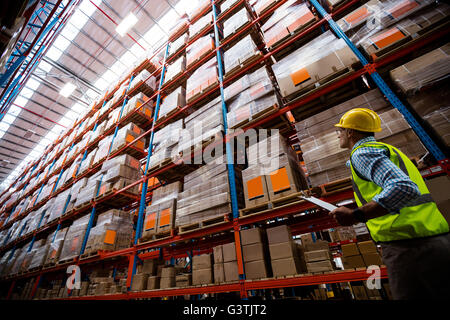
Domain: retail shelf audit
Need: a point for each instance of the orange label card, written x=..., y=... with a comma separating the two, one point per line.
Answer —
x=280, y=180
x=110, y=237
x=255, y=188
x=164, y=217
x=300, y=76
x=387, y=38
x=357, y=16
x=150, y=221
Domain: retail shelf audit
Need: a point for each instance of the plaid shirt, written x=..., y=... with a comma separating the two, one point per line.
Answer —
x=374, y=165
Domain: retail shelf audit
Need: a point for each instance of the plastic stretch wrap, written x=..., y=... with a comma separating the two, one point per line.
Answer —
x=88, y=192
x=103, y=148
x=377, y=14
x=181, y=24
x=196, y=50
x=4, y=262
x=260, y=6
x=174, y=69
x=59, y=205
x=99, y=130
x=250, y=111
x=137, y=102
x=204, y=174
x=113, y=231
x=439, y=120
x=18, y=259
x=126, y=135
x=176, y=99
x=55, y=246
x=239, y=54
x=202, y=79
x=39, y=256
x=87, y=163
x=382, y=37
x=74, y=238
x=227, y=4
x=235, y=22
x=200, y=24
x=168, y=135
x=164, y=154
x=318, y=59
x=144, y=80
x=423, y=71
x=113, y=119
x=288, y=18
x=177, y=44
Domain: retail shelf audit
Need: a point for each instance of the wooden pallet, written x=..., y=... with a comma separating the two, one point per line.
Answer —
x=195, y=61
x=118, y=201
x=130, y=150
x=81, y=207
x=203, y=224
x=201, y=93
x=67, y=260
x=235, y=40
x=334, y=186
x=256, y=117
x=157, y=236
x=240, y=66
x=167, y=115
x=272, y=204
x=90, y=254
x=34, y=269
x=48, y=265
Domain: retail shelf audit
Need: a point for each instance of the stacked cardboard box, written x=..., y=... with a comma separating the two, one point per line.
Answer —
x=59, y=204
x=126, y=135
x=285, y=254
x=385, y=37
x=89, y=191
x=119, y=172
x=74, y=239
x=206, y=194
x=318, y=256
x=360, y=255
x=144, y=81
x=165, y=144
x=308, y=65
x=240, y=54
x=55, y=245
x=323, y=156
x=198, y=49
x=271, y=174
x=174, y=100
x=175, y=69
x=141, y=103
x=113, y=231
x=230, y=266
x=219, y=272
x=178, y=43
x=369, y=253
x=39, y=255
x=201, y=80
x=255, y=253
x=249, y=97
x=202, y=126
x=286, y=20
x=202, y=269
x=422, y=81
x=261, y=6
x=168, y=275
x=236, y=22
x=201, y=24
x=75, y=193
x=102, y=150
x=161, y=214
x=342, y=234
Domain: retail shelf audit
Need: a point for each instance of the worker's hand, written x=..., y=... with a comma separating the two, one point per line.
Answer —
x=344, y=216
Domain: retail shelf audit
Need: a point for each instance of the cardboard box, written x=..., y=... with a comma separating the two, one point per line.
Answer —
x=351, y=262
x=367, y=247
x=279, y=234
x=251, y=236
x=231, y=271
x=320, y=266
x=168, y=272
x=183, y=280
x=283, y=250
x=286, y=267
x=350, y=249
x=229, y=252
x=202, y=276
x=318, y=245
x=139, y=282
x=203, y=261
x=255, y=270
x=318, y=255
x=219, y=273
x=253, y=252
x=149, y=266
x=372, y=258
x=438, y=188
x=167, y=283
x=360, y=292
x=218, y=254
x=153, y=282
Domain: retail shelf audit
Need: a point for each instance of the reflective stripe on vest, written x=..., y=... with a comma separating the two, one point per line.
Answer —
x=421, y=218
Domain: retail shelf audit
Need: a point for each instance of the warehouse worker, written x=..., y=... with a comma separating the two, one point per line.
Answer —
x=398, y=210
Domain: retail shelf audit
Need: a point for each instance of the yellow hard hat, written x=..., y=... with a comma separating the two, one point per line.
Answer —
x=361, y=119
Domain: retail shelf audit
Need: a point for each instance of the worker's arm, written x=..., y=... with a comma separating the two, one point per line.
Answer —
x=398, y=189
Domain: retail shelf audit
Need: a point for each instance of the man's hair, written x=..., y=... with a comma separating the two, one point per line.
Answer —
x=365, y=134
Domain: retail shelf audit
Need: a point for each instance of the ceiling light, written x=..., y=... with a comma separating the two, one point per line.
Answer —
x=127, y=23
x=67, y=89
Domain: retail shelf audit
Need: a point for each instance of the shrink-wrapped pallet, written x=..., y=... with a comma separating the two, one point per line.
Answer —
x=139, y=104
x=175, y=69
x=173, y=101
x=240, y=54
x=89, y=191
x=74, y=239
x=144, y=82
x=39, y=256
x=199, y=48
x=201, y=80
x=59, y=205
x=236, y=22
x=55, y=245
x=178, y=44
x=126, y=135
x=200, y=25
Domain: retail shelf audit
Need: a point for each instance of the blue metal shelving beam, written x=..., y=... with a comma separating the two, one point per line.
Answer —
x=390, y=95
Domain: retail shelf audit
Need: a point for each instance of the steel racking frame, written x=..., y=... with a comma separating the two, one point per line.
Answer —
x=310, y=223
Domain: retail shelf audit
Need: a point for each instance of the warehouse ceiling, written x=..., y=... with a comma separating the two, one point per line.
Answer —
x=88, y=53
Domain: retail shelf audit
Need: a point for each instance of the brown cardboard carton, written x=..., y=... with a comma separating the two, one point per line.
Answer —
x=318, y=255
x=255, y=270
x=202, y=276
x=279, y=234
x=367, y=247
x=168, y=272
x=218, y=254
x=139, y=282
x=318, y=245
x=253, y=252
x=250, y=236
x=149, y=266
x=320, y=266
x=153, y=282
x=283, y=250
x=350, y=249
x=372, y=258
x=306, y=238
x=231, y=271
x=219, y=273
x=183, y=280
x=167, y=283
x=438, y=188
x=351, y=262
x=286, y=267
x=203, y=261
x=229, y=252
